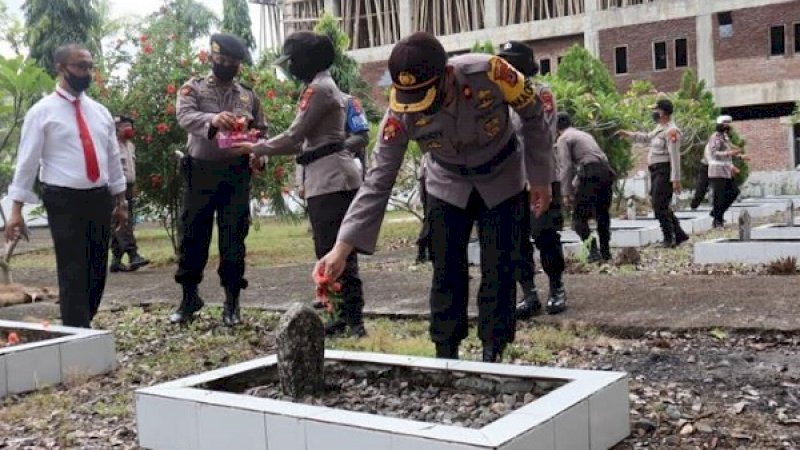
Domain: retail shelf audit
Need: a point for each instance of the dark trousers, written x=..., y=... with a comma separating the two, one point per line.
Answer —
x=593, y=200
x=326, y=213
x=500, y=230
x=122, y=238
x=545, y=232
x=661, y=197
x=701, y=186
x=725, y=193
x=80, y=223
x=221, y=187
x=424, y=238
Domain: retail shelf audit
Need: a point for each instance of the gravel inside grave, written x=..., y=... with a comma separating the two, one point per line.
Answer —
x=465, y=400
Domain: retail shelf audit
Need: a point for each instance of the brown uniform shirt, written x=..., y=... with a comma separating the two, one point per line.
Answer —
x=720, y=161
x=127, y=156
x=468, y=131
x=576, y=148
x=200, y=99
x=664, y=146
x=319, y=121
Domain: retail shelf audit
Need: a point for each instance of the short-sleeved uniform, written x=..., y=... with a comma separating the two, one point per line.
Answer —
x=720, y=174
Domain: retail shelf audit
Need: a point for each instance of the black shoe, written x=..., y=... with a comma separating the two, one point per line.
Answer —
x=718, y=224
x=230, y=311
x=529, y=306
x=681, y=238
x=668, y=243
x=594, y=253
x=422, y=257
x=117, y=266
x=335, y=327
x=558, y=300
x=135, y=261
x=446, y=351
x=357, y=331
x=605, y=255
x=190, y=304
x=492, y=353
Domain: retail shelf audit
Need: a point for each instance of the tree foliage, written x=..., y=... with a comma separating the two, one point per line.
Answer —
x=485, y=47
x=50, y=24
x=236, y=20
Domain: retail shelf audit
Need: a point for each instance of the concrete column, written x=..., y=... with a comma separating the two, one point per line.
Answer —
x=591, y=34
x=406, y=18
x=491, y=17
x=332, y=6
x=704, y=31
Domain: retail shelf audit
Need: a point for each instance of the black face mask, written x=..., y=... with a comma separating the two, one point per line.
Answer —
x=302, y=69
x=656, y=116
x=722, y=128
x=78, y=83
x=224, y=73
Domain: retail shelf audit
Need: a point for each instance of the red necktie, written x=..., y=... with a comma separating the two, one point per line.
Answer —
x=89, y=155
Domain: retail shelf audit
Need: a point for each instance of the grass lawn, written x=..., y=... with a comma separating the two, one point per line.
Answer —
x=269, y=243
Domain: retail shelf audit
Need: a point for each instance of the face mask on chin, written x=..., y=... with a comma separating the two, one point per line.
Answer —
x=78, y=83
x=224, y=73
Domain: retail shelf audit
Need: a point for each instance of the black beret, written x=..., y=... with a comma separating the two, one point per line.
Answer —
x=229, y=45
x=664, y=105
x=520, y=56
x=122, y=119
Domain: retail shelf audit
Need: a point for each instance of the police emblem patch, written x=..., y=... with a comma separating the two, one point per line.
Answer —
x=502, y=71
x=467, y=92
x=492, y=126
x=673, y=136
x=390, y=129
x=186, y=90
x=357, y=106
x=547, y=100
x=305, y=99
x=485, y=98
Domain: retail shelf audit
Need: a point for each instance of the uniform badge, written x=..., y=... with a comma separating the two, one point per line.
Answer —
x=492, y=127
x=673, y=136
x=467, y=92
x=305, y=99
x=407, y=79
x=390, y=129
x=215, y=47
x=502, y=71
x=244, y=98
x=547, y=100
x=485, y=98
x=186, y=90
x=422, y=122
x=433, y=146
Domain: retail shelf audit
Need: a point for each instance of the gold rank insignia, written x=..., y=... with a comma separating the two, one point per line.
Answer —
x=407, y=79
x=215, y=47
x=433, y=145
x=422, y=122
x=244, y=98
x=492, y=126
x=485, y=98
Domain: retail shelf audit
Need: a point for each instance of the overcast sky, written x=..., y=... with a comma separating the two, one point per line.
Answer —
x=128, y=8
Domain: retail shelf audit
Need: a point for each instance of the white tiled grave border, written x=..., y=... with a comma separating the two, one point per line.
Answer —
x=775, y=231
x=757, y=251
x=590, y=411
x=30, y=366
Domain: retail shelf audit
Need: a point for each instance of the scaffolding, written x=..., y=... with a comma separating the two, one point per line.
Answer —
x=609, y=4
x=270, y=29
x=521, y=11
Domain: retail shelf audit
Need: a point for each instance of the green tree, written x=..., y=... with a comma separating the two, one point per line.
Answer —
x=236, y=20
x=50, y=24
x=13, y=33
x=486, y=47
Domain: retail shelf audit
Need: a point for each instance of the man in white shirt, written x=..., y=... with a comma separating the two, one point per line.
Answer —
x=70, y=141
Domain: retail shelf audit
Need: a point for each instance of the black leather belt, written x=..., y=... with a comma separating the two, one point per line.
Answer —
x=484, y=169
x=309, y=156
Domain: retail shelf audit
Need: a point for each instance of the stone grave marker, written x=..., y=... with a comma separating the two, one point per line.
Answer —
x=745, y=226
x=630, y=211
x=789, y=213
x=301, y=351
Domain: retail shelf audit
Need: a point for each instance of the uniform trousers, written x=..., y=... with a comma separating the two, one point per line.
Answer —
x=221, y=187
x=500, y=229
x=725, y=193
x=593, y=200
x=326, y=213
x=661, y=197
x=122, y=238
x=545, y=232
x=701, y=186
x=80, y=224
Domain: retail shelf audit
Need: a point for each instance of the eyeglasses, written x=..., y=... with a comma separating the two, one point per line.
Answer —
x=85, y=66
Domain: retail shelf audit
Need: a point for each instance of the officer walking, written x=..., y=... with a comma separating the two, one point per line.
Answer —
x=664, y=163
x=458, y=112
x=701, y=184
x=587, y=180
x=216, y=180
x=122, y=239
x=332, y=176
x=721, y=171
x=544, y=229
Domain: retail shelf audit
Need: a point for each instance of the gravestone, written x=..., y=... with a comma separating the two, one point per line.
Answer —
x=789, y=213
x=745, y=226
x=301, y=351
x=630, y=209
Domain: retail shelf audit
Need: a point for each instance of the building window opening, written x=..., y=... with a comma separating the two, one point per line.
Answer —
x=777, y=41
x=797, y=38
x=660, y=55
x=544, y=66
x=681, y=53
x=725, y=20
x=621, y=60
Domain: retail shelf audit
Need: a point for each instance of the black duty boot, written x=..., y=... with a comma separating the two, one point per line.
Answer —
x=718, y=223
x=605, y=252
x=680, y=235
x=667, y=231
x=116, y=265
x=492, y=352
x=230, y=312
x=557, y=302
x=136, y=261
x=529, y=306
x=190, y=304
x=422, y=255
x=335, y=327
x=446, y=351
x=594, y=253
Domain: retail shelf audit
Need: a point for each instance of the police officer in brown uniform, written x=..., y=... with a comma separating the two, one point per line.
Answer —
x=664, y=163
x=545, y=229
x=216, y=181
x=458, y=112
x=721, y=171
x=586, y=182
x=332, y=176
